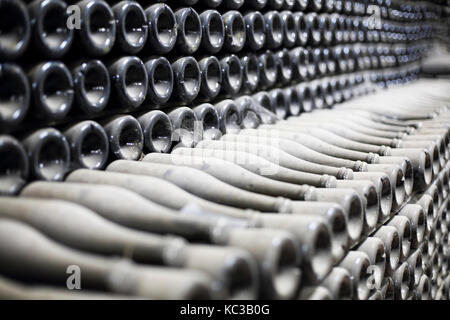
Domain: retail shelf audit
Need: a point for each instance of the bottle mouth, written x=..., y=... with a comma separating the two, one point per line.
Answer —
x=159, y=138
x=126, y=137
x=214, y=36
x=269, y=68
x=133, y=27
x=190, y=30
x=190, y=80
x=424, y=288
x=52, y=30
x=235, y=31
x=321, y=259
x=282, y=270
x=295, y=105
x=289, y=29
x=279, y=103
x=14, y=95
x=386, y=197
x=303, y=35
x=183, y=122
x=339, y=238
x=301, y=68
x=263, y=98
x=165, y=28
x=160, y=75
x=231, y=74
x=394, y=253
x=92, y=81
x=285, y=65
x=134, y=82
x=372, y=207
x=93, y=147
x=355, y=220
x=251, y=72
x=212, y=77
x=55, y=90
x=14, y=167
x=307, y=99
x=399, y=191
x=256, y=30
x=14, y=29
x=100, y=27
x=241, y=273
x=51, y=156
x=403, y=282
x=274, y=29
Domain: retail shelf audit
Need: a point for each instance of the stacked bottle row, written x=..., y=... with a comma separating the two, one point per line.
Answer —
x=51, y=92
x=317, y=185
x=50, y=153
x=53, y=27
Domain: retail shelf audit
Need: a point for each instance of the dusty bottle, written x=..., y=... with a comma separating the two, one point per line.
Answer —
x=178, y=175
x=99, y=272
x=418, y=223
x=129, y=82
x=261, y=166
x=48, y=153
x=251, y=72
x=231, y=74
x=239, y=177
x=210, y=121
x=284, y=66
x=51, y=35
x=89, y=145
x=391, y=240
x=92, y=86
x=157, y=131
x=290, y=30
x=97, y=32
x=184, y=125
x=314, y=31
x=234, y=235
x=263, y=99
x=160, y=81
x=268, y=66
x=162, y=28
x=279, y=103
x=229, y=116
x=126, y=139
x=187, y=79
x=51, y=90
x=402, y=282
x=16, y=30
x=213, y=31
x=147, y=248
x=14, y=95
x=375, y=250
x=357, y=264
x=189, y=30
x=298, y=57
x=294, y=101
x=131, y=26
x=274, y=29
x=403, y=226
x=265, y=115
x=211, y=75
x=255, y=29
x=235, y=33
x=14, y=165
x=250, y=118
x=338, y=282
